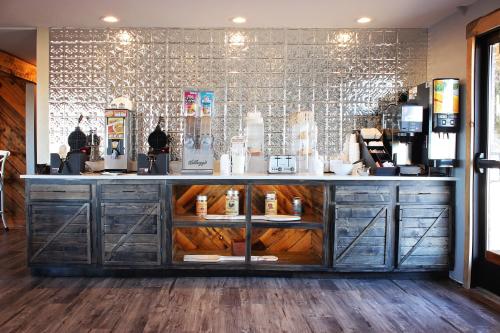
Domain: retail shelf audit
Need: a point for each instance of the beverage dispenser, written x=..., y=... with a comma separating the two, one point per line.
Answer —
x=120, y=149
x=303, y=136
x=445, y=121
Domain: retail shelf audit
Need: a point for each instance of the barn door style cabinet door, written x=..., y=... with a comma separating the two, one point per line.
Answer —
x=425, y=227
x=131, y=224
x=363, y=228
x=59, y=223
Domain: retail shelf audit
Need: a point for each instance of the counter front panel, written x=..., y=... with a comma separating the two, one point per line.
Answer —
x=101, y=225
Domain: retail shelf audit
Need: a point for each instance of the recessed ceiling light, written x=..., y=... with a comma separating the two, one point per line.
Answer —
x=363, y=20
x=109, y=19
x=239, y=19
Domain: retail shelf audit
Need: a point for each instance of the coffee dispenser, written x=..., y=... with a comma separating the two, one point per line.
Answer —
x=120, y=149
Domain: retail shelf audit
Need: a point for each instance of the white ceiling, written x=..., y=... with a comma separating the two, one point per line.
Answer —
x=216, y=13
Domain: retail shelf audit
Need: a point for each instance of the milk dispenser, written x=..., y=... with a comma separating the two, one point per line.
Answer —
x=197, y=150
x=120, y=149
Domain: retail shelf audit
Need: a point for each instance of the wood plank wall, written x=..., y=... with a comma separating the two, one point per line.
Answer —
x=13, y=138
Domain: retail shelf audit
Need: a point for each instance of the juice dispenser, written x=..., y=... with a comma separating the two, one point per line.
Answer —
x=445, y=122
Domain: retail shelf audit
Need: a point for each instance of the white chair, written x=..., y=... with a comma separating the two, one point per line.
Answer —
x=4, y=154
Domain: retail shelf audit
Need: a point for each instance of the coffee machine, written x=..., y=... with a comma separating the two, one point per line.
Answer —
x=405, y=139
x=120, y=132
x=156, y=161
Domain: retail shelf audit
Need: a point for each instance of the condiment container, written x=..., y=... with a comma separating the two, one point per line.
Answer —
x=297, y=206
x=201, y=205
x=271, y=204
x=232, y=202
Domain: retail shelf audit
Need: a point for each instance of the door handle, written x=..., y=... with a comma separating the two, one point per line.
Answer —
x=480, y=163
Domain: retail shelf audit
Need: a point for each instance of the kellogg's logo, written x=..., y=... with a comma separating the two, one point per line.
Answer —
x=198, y=163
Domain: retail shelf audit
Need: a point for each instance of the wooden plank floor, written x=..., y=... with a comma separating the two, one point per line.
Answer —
x=35, y=304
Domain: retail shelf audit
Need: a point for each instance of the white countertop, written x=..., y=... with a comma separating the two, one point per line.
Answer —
x=326, y=176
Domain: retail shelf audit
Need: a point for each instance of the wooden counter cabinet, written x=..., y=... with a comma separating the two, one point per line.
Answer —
x=98, y=225
x=425, y=227
x=363, y=227
x=131, y=222
x=59, y=223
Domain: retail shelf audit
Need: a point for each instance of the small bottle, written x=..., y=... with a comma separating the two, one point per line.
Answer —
x=232, y=202
x=271, y=204
x=297, y=206
x=201, y=205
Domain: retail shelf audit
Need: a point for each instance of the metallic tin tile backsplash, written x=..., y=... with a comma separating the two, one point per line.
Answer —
x=345, y=76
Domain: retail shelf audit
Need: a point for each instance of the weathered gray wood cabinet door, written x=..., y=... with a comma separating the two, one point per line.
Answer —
x=59, y=233
x=425, y=222
x=361, y=237
x=424, y=237
x=131, y=233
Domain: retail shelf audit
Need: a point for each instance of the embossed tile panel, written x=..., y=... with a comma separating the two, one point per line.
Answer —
x=345, y=76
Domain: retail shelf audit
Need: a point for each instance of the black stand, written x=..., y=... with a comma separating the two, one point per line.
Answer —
x=153, y=164
x=73, y=165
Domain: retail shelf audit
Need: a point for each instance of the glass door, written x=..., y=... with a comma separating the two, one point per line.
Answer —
x=486, y=268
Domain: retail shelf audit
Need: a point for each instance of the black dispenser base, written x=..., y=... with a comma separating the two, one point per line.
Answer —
x=153, y=165
x=73, y=165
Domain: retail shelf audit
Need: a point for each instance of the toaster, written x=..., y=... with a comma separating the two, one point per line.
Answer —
x=282, y=164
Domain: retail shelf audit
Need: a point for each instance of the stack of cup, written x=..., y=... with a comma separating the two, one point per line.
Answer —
x=225, y=165
x=354, y=151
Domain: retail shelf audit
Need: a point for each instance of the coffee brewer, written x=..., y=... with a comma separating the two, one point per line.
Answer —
x=120, y=132
x=156, y=161
x=73, y=163
x=404, y=137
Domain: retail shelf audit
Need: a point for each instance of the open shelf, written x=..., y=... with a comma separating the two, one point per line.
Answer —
x=306, y=222
x=287, y=258
x=312, y=198
x=184, y=203
x=197, y=221
x=294, y=243
x=222, y=241
x=291, y=246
